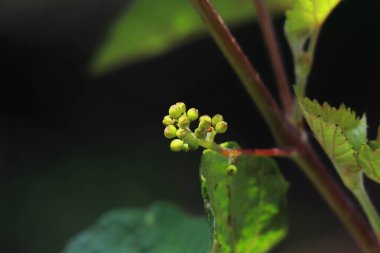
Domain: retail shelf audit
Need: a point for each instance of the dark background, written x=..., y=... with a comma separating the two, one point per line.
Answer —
x=73, y=147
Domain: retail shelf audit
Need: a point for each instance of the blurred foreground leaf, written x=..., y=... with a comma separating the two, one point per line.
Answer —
x=162, y=228
x=308, y=16
x=150, y=27
x=247, y=209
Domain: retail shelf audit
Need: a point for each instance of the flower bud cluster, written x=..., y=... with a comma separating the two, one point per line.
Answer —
x=177, y=127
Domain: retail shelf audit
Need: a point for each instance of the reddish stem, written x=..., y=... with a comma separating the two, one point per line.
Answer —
x=286, y=134
x=275, y=56
x=277, y=152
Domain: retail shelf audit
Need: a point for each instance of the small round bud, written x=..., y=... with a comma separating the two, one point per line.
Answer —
x=176, y=145
x=200, y=133
x=175, y=111
x=180, y=133
x=167, y=121
x=221, y=127
x=205, y=117
x=170, y=131
x=182, y=106
x=217, y=118
x=231, y=170
x=192, y=114
x=205, y=124
x=183, y=121
x=185, y=147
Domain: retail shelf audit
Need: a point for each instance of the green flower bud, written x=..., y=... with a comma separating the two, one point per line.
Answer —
x=217, y=118
x=205, y=124
x=175, y=111
x=176, y=145
x=170, y=131
x=231, y=170
x=200, y=133
x=192, y=114
x=183, y=121
x=185, y=147
x=181, y=133
x=167, y=121
x=205, y=117
x=192, y=141
x=221, y=127
x=182, y=106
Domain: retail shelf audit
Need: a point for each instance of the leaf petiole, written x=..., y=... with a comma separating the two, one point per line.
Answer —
x=276, y=152
x=370, y=211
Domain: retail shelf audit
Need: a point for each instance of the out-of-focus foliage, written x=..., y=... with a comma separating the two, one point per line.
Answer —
x=247, y=210
x=308, y=16
x=150, y=27
x=162, y=228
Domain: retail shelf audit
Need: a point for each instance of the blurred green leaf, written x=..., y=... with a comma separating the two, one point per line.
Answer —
x=150, y=27
x=162, y=228
x=308, y=16
x=247, y=210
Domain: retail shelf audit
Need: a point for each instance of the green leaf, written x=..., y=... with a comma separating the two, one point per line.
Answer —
x=375, y=144
x=162, y=228
x=248, y=209
x=340, y=133
x=151, y=27
x=369, y=160
x=302, y=26
x=308, y=16
x=343, y=137
x=353, y=128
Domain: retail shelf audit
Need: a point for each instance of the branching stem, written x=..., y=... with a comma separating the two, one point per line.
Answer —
x=240, y=63
x=285, y=133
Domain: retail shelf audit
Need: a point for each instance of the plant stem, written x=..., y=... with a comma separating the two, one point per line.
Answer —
x=286, y=134
x=337, y=199
x=210, y=145
x=370, y=211
x=240, y=63
x=275, y=56
x=303, y=64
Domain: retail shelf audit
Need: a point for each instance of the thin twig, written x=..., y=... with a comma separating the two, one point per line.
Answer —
x=275, y=56
x=246, y=72
x=286, y=134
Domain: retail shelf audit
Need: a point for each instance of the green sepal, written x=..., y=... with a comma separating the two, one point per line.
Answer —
x=248, y=209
